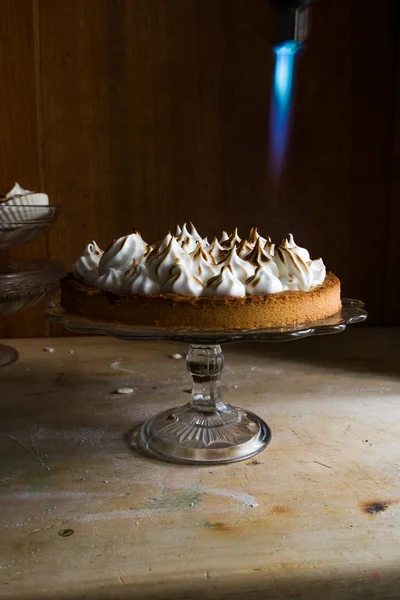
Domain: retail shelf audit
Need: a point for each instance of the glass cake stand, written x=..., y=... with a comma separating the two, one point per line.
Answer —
x=24, y=284
x=206, y=430
x=21, y=224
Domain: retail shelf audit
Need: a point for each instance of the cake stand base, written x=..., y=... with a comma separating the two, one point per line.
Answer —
x=8, y=355
x=187, y=435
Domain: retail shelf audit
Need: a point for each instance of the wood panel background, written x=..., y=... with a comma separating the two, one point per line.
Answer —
x=145, y=113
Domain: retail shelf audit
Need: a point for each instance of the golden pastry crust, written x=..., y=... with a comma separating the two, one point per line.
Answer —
x=190, y=312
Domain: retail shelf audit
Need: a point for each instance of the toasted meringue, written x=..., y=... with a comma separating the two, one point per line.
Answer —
x=215, y=250
x=123, y=252
x=88, y=262
x=111, y=280
x=263, y=282
x=139, y=282
x=232, y=240
x=204, y=266
x=239, y=267
x=291, y=245
x=225, y=284
x=294, y=273
x=182, y=283
x=159, y=263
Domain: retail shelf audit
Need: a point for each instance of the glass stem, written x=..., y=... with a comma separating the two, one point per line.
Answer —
x=205, y=364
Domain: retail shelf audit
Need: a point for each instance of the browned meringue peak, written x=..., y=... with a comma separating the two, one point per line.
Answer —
x=187, y=239
x=224, y=237
x=161, y=244
x=253, y=236
x=233, y=240
x=257, y=256
x=242, y=269
x=244, y=248
x=269, y=247
x=201, y=252
x=290, y=244
x=215, y=249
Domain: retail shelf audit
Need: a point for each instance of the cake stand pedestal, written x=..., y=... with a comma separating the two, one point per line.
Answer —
x=206, y=430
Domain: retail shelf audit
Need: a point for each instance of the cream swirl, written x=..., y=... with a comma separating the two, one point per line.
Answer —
x=263, y=282
x=182, y=283
x=224, y=284
x=122, y=253
x=242, y=269
x=88, y=263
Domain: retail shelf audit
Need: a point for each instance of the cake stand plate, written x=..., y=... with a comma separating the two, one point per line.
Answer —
x=8, y=355
x=207, y=430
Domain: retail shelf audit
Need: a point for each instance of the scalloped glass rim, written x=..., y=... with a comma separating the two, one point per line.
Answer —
x=352, y=312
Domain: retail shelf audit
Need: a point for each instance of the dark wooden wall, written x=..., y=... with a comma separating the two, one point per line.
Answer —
x=145, y=113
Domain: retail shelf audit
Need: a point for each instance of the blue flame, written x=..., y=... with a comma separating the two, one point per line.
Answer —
x=280, y=107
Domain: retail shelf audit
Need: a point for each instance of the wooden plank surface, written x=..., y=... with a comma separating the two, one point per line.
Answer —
x=315, y=515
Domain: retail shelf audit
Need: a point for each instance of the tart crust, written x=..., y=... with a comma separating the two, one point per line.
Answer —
x=190, y=312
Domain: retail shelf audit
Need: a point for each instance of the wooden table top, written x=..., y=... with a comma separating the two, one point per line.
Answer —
x=316, y=515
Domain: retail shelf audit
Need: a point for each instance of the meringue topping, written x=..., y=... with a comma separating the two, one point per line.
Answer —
x=88, y=263
x=185, y=264
x=204, y=265
x=232, y=240
x=159, y=262
x=263, y=282
x=242, y=269
x=215, y=250
x=182, y=283
x=123, y=253
x=225, y=284
x=139, y=282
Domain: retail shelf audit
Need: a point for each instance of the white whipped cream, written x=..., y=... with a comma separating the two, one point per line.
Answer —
x=185, y=264
x=224, y=284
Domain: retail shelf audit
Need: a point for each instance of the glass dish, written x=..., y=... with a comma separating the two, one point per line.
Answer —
x=207, y=430
x=24, y=284
x=21, y=224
